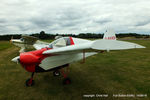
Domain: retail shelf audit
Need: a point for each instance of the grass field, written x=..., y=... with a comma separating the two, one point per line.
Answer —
x=116, y=72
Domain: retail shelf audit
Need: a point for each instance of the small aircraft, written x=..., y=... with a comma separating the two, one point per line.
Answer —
x=26, y=42
x=65, y=50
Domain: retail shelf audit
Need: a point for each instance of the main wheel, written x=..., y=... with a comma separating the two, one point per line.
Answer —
x=56, y=73
x=66, y=81
x=29, y=82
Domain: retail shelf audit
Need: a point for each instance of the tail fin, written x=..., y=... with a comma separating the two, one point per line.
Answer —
x=109, y=35
x=11, y=39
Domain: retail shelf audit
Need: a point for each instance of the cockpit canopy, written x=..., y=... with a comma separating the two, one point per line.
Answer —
x=61, y=42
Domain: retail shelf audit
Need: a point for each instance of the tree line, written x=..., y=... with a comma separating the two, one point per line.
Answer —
x=46, y=36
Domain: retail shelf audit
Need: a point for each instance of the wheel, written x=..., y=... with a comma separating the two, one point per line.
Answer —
x=67, y=81
x=29, y=82
x=56, y=73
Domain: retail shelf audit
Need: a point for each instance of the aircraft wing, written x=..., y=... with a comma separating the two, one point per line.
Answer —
x=68, y=49
x=37, y=44
x=102, y=44
x=28, y=42
x=29, y=39
x=114, y=45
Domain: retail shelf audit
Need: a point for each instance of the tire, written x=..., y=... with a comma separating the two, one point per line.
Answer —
x=66, y=81
x=56, y=73
x=28, y=84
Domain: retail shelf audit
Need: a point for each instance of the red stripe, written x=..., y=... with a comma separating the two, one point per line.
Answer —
x=71, y=40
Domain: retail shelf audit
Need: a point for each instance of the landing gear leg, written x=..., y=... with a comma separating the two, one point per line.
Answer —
x=66, y=79
x=30, y=81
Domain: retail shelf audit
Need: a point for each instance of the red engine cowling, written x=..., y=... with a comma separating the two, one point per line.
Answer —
x=29, y=58
x=29, y=61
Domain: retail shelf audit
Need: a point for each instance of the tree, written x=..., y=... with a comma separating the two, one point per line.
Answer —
x=42, y=35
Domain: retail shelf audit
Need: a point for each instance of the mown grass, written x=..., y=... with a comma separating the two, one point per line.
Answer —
x=116, y=72
x=4, y=45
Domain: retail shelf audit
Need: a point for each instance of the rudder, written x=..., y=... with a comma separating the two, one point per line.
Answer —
x=109, y=35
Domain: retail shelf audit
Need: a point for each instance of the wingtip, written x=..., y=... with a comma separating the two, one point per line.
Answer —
x=139, y=46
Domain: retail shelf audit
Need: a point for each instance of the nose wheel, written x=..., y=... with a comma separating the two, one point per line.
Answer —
x=30, y=82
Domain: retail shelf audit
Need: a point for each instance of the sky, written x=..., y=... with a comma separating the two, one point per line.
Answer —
x=74, y=16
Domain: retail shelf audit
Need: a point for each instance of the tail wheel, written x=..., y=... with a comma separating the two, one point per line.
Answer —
x=29, y=82
x=66, y=81
x=56, y=73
